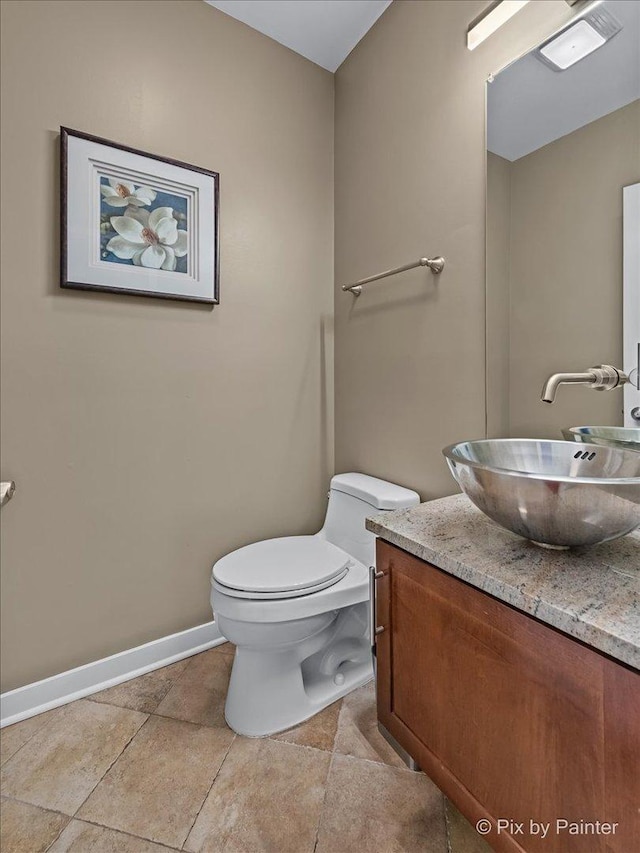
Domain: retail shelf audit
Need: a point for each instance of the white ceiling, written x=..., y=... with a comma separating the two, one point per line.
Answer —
x=324, y=31
x=530, y=104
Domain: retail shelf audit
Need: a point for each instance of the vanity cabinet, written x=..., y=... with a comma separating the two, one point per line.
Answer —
x=512, y=719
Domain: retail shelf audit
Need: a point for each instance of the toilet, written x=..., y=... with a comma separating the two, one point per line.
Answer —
x=297, y=609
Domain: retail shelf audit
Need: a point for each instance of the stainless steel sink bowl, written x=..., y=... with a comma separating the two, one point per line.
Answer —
x=555, y=493
x=626, y=438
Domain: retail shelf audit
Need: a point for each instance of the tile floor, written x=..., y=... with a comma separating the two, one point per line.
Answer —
x=150, y=766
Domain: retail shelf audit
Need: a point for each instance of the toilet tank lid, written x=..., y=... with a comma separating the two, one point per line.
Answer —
x=378, y=493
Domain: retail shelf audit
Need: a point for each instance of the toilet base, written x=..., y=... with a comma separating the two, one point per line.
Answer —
x=261, y=721
x=275, y=688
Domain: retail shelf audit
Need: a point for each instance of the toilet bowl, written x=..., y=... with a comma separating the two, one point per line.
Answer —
x=297, y=610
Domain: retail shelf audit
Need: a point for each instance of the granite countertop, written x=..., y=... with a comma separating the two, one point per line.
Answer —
x=592, y=594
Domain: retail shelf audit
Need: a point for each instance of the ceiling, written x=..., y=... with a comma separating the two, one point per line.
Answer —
x=324, y=31
x=530, y=105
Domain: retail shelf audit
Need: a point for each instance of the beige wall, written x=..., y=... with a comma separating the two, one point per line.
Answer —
x=566, y=271
x=410, y=179
x=148, y=438
x=498, y=297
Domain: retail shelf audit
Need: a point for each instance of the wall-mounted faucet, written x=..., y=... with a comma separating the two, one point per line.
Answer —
x=603, y=377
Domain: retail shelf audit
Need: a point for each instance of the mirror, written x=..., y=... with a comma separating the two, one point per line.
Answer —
x=563, y=143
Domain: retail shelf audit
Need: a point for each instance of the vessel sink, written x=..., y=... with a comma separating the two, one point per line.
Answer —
x=552, y=492
x=626, y=438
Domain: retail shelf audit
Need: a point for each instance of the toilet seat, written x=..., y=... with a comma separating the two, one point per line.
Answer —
x=286, y=567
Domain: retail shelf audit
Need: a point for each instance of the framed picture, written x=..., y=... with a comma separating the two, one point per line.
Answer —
x=137, y=223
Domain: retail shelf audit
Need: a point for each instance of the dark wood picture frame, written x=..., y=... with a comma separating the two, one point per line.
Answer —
x=66, y=282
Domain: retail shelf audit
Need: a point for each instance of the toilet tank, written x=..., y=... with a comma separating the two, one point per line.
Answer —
x=354, y=497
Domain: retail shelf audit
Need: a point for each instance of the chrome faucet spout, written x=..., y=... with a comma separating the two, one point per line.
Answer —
x=554, y=382
x=603, y=377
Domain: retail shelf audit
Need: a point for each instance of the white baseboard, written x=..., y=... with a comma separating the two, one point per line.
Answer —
x=32, y=699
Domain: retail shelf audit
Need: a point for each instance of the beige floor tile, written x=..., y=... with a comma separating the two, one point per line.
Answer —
x=28, y=829
x=267, y=797
x=463, y=838
x=358, y=733
x=373, y=807
x=61, y=764
x=200, y=694
x=318, y=732
x=145, y=692
x=81, y=837
x=226, y=648
x=15, y=736
x=157, y=786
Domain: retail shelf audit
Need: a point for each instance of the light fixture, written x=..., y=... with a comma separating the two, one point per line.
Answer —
x=579, y=40
x=492, y=21
x=574, y=44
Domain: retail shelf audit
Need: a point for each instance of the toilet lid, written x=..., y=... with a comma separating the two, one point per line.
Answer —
x=280, y=568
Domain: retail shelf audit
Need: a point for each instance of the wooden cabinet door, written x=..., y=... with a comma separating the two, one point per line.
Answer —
x=504, y=713
x=621, y=702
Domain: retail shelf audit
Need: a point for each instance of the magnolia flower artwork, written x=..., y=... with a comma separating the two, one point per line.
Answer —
x=142, y=226
x=137, y=223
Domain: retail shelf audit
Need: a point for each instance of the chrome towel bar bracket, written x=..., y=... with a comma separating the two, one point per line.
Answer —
x=436, y=265
x=6, y=491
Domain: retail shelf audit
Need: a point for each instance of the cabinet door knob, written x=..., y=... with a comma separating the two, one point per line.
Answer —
x=635, y=413
x=379, y=629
